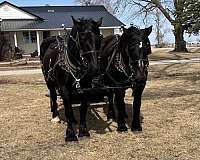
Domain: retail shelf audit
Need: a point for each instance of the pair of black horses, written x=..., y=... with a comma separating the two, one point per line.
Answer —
x=84, y=59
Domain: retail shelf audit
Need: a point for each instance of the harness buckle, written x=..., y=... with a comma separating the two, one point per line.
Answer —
x=78, y=85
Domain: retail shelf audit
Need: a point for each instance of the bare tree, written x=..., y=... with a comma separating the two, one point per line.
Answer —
x=161, y=28
x=107, y=3
x=172, y=10
x=175, y=11
x=158, y=28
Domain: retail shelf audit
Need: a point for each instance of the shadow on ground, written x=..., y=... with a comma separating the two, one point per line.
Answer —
x=96, y=122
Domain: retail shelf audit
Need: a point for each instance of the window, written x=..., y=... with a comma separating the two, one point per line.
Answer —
x=29, y=37
x=46, y=34
x=26, y=37
x=33, y=37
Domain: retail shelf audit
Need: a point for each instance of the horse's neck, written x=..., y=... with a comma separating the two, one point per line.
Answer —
x=122, y=49
x=73, y=50
x=109, y=44
x=71, y=42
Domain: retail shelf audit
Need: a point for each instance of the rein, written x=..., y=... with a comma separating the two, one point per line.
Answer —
x=116, y=58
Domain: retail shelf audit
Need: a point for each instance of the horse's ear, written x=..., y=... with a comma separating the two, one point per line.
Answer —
x=123, y=29
x=76, y=22
x=99, y=22
x=147, y=31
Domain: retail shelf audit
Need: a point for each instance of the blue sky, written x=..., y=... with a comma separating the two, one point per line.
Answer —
x=40, y=2
x=168, y=37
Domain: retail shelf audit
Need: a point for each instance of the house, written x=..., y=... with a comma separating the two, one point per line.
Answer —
x=26, y=27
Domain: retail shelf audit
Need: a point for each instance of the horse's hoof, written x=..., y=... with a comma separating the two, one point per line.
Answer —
x=83, y=132
x=136, y=129
x=56, y=120
x=122, y=127
x=71, y=138
x=70, y=134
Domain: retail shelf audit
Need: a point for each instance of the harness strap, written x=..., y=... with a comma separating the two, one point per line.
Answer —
x=120, y=66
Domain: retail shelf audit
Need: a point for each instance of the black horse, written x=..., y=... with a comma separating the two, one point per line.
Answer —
x=124, y=64
x=68, y=64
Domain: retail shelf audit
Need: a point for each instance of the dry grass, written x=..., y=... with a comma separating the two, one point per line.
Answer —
x=171, y=128
x=165, y=53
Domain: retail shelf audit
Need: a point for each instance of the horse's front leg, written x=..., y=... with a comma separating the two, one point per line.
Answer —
x=66, y=96
x=83, y=131
x=120, y=104
x=137, y=92
x=111, y=111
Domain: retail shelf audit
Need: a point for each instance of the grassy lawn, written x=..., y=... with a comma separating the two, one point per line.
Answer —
x=171, y=125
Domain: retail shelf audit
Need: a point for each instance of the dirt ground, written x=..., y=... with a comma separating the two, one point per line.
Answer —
x=171, y=125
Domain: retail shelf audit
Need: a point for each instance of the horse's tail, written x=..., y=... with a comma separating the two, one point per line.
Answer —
x=45, y=45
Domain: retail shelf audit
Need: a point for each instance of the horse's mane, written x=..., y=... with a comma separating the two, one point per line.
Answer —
x=45, y=45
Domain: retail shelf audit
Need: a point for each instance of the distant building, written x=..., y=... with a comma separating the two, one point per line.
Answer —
x=26, y=27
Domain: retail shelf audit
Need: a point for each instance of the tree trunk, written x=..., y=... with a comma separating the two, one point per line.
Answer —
x=180, y=44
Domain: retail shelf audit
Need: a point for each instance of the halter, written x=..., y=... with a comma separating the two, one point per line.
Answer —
x=141, y=61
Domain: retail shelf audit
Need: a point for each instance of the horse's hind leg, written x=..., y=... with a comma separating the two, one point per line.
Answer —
x=83, y=131
x=120, y=104
x=111, y=111
x=53, y=102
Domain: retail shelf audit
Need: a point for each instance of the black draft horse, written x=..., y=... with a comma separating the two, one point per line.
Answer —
x=69, y=65
x=124, y=63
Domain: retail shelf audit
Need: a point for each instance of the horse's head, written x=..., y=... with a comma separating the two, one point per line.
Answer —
x=88, y=39
x=138, y=47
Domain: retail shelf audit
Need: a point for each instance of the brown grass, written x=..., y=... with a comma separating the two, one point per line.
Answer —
x=171, y=127
x=166, y=53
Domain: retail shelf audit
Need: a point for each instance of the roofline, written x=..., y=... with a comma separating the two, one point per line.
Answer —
x=63, y=6
x=5, y=2
x=54, y=29
x=115, y=17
